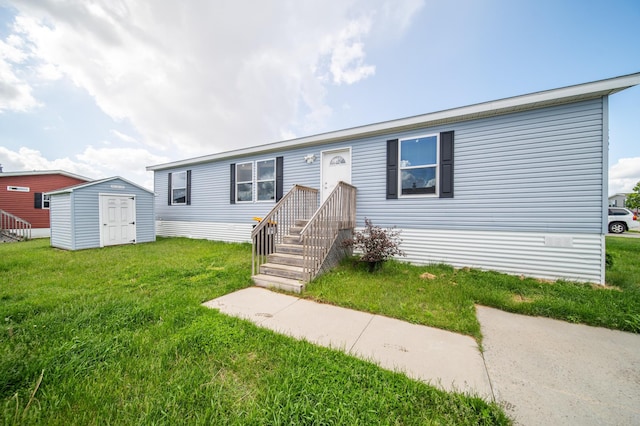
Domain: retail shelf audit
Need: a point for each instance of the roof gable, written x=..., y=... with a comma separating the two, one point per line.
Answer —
x=97, y=182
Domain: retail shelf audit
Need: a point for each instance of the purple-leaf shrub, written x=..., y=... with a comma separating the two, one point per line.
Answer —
x=375, y=243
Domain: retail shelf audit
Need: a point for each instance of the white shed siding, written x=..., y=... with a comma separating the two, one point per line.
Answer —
x=60, y=220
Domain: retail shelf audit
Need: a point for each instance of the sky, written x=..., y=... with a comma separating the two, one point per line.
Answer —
x=104, y=88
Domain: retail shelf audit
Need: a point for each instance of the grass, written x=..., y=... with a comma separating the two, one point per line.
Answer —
x=447, y=299
x=118, y=336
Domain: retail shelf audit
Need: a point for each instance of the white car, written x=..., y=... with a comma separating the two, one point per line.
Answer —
x=621, y=220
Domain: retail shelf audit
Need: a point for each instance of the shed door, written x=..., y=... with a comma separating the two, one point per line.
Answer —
x=336, y=167
x=118, y=220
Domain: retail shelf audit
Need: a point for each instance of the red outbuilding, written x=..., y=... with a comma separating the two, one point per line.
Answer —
x=22, y=195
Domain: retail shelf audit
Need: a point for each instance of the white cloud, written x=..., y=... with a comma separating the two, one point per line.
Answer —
x=205, y=76
x=347, y=52
x=624, y=175
x=123, y=137
x=26, y=159
x=94, y=163
x=15, y=91
x=113, y=159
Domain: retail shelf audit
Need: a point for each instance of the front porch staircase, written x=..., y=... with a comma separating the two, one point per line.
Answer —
x=296, y=241
x=284, y=268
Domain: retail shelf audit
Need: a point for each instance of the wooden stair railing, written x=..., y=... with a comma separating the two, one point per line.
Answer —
x=298, y=204
x=331, y=223
x=13, y=227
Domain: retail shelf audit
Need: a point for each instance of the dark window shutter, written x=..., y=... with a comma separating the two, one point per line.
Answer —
x=392, y=169
x=446, y=164
x=188, y=196
x=37, y=200
x=279, y=177
x=170, y=199
x=232, y=189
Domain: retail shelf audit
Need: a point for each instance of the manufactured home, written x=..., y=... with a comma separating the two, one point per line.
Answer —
x=101, y=213
x=517, y=185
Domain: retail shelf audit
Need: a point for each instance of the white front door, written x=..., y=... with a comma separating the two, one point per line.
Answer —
x=117, y=219
x=336, y=167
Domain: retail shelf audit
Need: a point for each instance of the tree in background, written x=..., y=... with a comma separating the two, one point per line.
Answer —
x=633, y=199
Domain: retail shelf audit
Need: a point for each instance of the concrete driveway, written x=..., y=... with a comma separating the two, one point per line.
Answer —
x=549, y=372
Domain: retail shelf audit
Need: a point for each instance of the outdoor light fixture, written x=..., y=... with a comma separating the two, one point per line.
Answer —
x=310, y=158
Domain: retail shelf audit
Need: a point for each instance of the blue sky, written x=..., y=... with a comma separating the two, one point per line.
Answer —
x=106, y=88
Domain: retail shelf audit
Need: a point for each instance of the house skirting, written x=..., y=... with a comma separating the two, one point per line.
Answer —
x=575, y=257
x=228, y=232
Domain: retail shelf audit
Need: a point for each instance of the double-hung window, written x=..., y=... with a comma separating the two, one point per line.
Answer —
x=244, y=182
x=46, y=201
x=179, y=188
x=266, y=180
x=419, y=165
x=257, y=181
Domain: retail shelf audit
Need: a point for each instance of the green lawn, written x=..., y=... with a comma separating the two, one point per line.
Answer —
x=119, y=336
x=447, y=301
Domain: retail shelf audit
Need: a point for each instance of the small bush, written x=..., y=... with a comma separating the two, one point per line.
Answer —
x=376, y=244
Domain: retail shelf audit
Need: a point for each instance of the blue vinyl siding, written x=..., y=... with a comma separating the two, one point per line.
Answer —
x=79, y=226
x=534, y=171
x=60, y=221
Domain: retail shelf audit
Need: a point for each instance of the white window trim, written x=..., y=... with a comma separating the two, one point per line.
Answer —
x=255, y=192
x=48, y=201
x=436, y=166
x=173, y=175
x=254, y=181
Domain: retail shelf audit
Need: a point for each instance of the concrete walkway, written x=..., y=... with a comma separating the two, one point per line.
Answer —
x=541, y=371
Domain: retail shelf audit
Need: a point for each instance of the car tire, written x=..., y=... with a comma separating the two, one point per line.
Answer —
x=617, y=227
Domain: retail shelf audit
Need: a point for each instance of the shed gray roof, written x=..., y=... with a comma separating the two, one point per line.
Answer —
x=96, y=182
x=527, y=102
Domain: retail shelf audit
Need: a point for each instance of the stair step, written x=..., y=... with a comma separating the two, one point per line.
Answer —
x=301, y=223
x=284, y=271
x=269, y=281
x=296, y=230
x=286, y=259
x=291, y=239
x=289, y=248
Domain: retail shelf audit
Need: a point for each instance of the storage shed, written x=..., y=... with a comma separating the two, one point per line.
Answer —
x=101, y=213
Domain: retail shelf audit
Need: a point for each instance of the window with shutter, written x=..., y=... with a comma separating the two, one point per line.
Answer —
x=420, y=166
